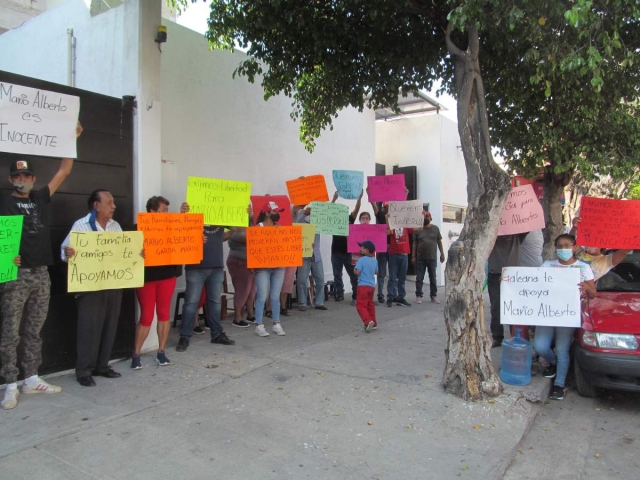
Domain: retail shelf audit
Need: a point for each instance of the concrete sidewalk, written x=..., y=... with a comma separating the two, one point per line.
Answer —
x=327, y=401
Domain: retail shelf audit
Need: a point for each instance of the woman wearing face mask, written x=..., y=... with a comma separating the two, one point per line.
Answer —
x=559, y=361
x=268, y=280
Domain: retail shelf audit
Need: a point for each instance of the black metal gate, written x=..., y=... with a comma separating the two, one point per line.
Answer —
x=105, y=160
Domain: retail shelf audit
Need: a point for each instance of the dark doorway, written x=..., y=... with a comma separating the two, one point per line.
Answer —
x=105, y=160
x=411, y=182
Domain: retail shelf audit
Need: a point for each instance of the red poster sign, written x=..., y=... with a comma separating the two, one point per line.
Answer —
x=606, y=223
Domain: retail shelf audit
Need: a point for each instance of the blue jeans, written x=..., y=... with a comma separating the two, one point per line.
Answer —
x=302, y=282
x=398, y=264
x=542, y=344
x=421, y=267
x=268, y=284
x=383, y=259
x=212, y=279
x=339, y=260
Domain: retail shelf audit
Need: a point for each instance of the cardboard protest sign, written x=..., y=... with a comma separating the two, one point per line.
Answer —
x=359, y=233
x=223, y=202
x=406, y=214
x=37, y=122
x=522, y=212
x=171, y=238
x=303, y=191
x=105, y=261
x=540, y=296
x=273, y=247
x=330, y=218
x=608, y=223
x=308, y=237
x=282, y=201
x=386, y=188
x=10, y=234
x=348, y=183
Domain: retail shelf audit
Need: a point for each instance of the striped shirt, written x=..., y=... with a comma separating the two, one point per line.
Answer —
x=83, y=225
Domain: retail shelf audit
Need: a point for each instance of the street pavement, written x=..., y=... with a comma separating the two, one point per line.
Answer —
x=582, y=438
x=326, y=401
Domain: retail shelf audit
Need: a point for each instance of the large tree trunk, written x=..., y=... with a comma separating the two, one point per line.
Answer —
x=469, y=372
x=553, y=189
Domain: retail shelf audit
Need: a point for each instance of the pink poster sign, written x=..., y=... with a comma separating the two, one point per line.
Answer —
x=386, y=188
x=522, y=212
x=359, y=233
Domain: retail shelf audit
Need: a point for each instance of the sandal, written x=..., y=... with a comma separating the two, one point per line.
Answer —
x=285, y=312
x=268, y=313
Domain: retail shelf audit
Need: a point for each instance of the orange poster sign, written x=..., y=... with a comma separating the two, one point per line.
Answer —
x=171, y=238
x=303, y=191
x=272, y=247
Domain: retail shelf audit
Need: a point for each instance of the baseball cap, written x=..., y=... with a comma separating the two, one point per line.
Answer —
x=21, y=166
x=271, y=207
x=369, y=245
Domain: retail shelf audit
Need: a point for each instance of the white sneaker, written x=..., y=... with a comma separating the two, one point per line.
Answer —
x=261, y=331
x=277, y=329
x=10, y=398
x=418, y=299
x=40, y=387
x=369, y=327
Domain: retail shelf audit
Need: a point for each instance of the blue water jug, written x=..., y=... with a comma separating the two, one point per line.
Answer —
x=515, y=364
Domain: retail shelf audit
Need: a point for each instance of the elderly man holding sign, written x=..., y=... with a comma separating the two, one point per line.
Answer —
x=25, y=301
x=97, y=300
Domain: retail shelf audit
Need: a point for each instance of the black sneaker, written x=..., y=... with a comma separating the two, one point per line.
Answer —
x=240, y=324
x=183, y=344
x=497, y=342
x=549, y=372
x=339, y=298
x=402, y=302
x=380, y=298
x=198, y=330
x=136, y=364
x=557, y=393
x=162, y=360
x=389, y=303
x=223, y=340
x=321, y=307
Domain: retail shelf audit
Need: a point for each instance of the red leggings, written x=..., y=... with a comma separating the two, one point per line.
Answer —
x=155, y=294
x=364, y=305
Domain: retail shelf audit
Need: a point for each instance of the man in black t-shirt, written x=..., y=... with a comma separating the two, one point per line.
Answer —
x=341, y=258
x=25, y=301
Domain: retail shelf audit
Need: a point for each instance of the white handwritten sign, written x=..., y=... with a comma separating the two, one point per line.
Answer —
x=522, y=212
x=406, y=214
x=37, y=122
x=540, y=296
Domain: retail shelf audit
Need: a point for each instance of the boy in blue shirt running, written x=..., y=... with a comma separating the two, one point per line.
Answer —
x=366, y=270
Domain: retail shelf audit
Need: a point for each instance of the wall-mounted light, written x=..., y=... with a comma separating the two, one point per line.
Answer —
x=161, y=36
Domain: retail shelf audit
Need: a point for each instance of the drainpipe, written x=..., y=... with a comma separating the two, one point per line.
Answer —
x=71, y=58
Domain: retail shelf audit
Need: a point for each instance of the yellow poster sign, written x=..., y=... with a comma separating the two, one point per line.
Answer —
x=308, y=235
x=105, y=261
x=223, y=202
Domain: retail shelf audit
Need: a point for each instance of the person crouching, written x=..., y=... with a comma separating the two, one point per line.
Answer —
x=366, y=270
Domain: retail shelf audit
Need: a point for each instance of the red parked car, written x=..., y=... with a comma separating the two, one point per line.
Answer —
x=606, y=348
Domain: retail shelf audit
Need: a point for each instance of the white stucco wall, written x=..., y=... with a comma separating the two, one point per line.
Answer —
x=215, y=126
x=39, y=48
x=414, y=142
x=429, y=143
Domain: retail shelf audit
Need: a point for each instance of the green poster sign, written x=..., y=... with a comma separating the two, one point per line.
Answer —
x=10, y=233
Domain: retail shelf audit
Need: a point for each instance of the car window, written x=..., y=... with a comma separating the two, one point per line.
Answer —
x=624, y=277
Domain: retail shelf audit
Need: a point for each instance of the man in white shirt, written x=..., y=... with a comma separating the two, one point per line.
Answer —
x=98, y=312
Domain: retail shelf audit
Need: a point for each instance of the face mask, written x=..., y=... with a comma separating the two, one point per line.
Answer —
x=564, y=253
x=275, y=217
x=22, y=187
x=427, y=221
